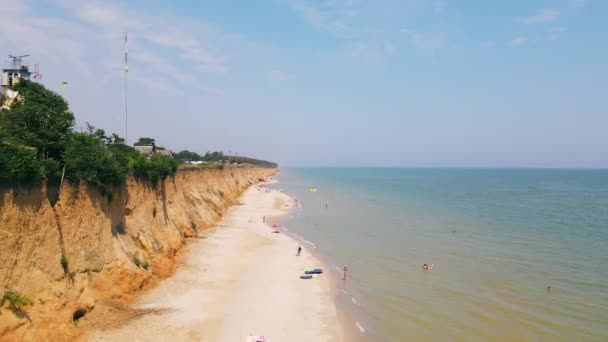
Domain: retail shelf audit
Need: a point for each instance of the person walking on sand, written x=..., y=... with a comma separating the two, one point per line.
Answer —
x=264, y=219
x=299, y=250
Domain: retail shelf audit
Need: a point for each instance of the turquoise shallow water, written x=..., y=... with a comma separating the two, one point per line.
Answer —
x=497, y=239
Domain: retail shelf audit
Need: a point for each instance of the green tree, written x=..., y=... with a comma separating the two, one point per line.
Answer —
x=188, y=156
x=89, y=159
x=156, y=168
x=18, y=164
x=41, y=120
x=145, y=142
x=160, y=167
x=214, y=156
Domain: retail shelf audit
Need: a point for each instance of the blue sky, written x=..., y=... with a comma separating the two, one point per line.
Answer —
x=335, y=82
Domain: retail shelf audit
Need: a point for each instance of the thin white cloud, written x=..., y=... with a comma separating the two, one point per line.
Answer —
x=363, y=51
x=556, y=32
x=88, y=36
x=369, y=30
x=43, y=38
x=519, y=40
x=326, y=16
x=423, y=41
x=545, y=15
x=188, y=44
x=487, y=44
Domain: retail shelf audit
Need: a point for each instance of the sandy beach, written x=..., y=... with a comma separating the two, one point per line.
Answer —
x=239, y=279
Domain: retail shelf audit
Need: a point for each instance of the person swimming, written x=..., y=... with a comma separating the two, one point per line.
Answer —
x=549, y=288
x=425, y=267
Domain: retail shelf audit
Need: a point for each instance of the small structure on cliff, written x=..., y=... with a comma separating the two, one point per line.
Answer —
x=163, y=151
x=149, y=150
x=15, y=71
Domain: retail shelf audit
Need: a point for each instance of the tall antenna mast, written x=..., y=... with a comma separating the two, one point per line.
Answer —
x=126, y=92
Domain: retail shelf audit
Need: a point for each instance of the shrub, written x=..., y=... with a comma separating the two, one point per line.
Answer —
x=145, y=265
x=156, y=168
x=136, y=261
x=16, y=301
x=50, y=168
x=64, y=263
x=18, y=165
x=88, y=159
x=161, y=167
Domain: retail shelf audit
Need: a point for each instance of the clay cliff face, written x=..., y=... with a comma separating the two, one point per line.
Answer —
x=115, y=242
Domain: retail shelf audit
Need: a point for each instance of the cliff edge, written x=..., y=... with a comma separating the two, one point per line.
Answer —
x=93, y=247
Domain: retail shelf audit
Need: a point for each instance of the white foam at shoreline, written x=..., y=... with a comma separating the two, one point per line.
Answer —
x=305, y=241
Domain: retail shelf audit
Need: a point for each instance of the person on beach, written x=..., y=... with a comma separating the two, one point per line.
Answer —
x=299, y=250
x=325, y=205
x=344, y=272
x=264, y=219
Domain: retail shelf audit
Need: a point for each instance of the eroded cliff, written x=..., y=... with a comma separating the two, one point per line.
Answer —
x=93, y=246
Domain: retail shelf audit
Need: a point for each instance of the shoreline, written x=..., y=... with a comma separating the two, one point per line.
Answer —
x=349, y=320
x=239, y=279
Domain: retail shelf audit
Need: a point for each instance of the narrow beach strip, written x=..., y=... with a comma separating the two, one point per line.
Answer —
x=241, y=280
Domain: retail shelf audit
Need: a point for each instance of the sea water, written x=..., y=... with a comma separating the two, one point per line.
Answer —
x=496, y=239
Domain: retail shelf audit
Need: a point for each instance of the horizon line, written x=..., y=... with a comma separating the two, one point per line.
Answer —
x=573, y=168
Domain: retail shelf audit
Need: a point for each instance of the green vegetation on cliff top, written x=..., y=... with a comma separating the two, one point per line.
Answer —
x=38, y=141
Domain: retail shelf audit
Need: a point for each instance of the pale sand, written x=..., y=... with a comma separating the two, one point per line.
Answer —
x=241, y=280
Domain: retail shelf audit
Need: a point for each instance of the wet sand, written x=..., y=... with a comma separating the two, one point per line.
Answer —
x=240, y=280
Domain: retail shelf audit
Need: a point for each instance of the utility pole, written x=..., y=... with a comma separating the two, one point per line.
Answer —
x=126, y=92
